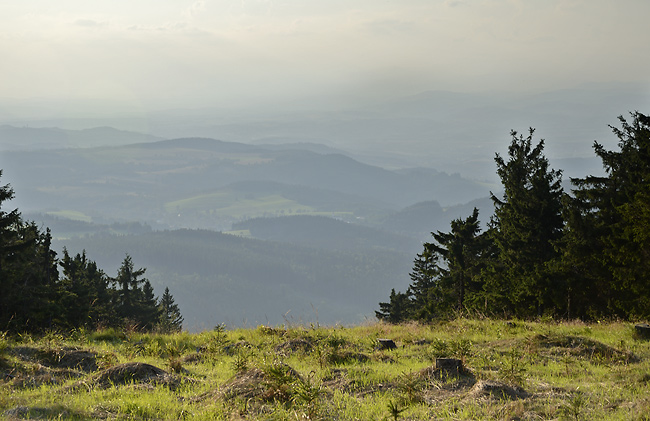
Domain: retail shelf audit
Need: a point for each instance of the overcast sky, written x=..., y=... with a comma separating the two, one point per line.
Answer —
x=177, y=52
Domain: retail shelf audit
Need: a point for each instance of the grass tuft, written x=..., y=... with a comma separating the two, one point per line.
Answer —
x=506, y=370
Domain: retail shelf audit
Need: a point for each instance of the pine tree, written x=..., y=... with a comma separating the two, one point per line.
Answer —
x=608, y=233
x=445, y=275
x=134, y=295
x=423, y=296
x=461, y=250
x=396, y=310
x=148, y=310
x=9, y=222
x=170, y=319
x=28, y=273
x=526, y=226
x=85, y=293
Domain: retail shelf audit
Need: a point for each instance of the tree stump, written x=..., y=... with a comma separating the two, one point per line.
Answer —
x=643, y=330
x=449, y=366
x=386, y=344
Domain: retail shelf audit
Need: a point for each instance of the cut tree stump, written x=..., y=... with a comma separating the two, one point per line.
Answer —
x=386, y=344
x=450, y=366
x=643, y=330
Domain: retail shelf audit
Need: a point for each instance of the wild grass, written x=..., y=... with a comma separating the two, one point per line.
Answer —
x=510, y=370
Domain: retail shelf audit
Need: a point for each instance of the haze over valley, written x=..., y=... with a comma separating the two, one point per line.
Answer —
x=283, y=161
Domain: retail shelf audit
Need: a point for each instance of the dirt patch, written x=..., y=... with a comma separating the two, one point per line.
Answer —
x=585, y=348
x=294, y=346
x=26, y=379
x=270, y=384
x=235, y=348
x=132, y=374
x=36, y=413
x=346, y=357
x=193, y=358
x=246, y=385
x=496, y=390
x=72, y=358
x=338, y=379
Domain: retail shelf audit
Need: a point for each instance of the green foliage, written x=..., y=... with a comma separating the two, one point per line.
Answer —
x=545, y=254
x=525, y=227
x=395, y=409
x=444, y=275
x=608, y=227
x=513, y=367
x=574, y=407
x=170, y=319
x=34, y=297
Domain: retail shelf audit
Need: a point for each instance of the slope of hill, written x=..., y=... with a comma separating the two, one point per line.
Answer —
x=219, y=278
x=422, y=218
x=177, y=183
x=325, y=232
x=30, y=138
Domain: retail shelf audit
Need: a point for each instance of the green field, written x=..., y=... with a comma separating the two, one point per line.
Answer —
x=70, y=214
x=236, y=205
x=508, y=370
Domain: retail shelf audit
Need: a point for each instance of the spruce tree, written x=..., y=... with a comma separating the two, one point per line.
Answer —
x=132, y=302
x=424, y=299
x=170, y=319
x=85, y=293
x=608, y=240
x=396, y=310
x=461, y=250
x=526, y=226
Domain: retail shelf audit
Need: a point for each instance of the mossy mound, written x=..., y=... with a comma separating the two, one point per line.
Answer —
x=273, y=383
x=133, y=373
x=294, y=346
x=485, y=389
x=71, y=358
x=577, y=346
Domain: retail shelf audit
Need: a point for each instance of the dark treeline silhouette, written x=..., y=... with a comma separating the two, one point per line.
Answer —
x=545, y=252
x=34, y=296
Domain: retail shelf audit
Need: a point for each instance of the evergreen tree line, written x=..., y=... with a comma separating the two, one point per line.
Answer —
x=545, y=252
x=35, y=296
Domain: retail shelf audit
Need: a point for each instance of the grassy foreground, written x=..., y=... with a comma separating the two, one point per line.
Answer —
x=510, y=370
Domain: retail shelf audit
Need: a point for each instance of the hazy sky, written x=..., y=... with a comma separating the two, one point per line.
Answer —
x=165, y=53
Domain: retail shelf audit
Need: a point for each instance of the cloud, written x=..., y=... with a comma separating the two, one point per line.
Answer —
x=89, y=23
x=195, y=9
x=455, y=3
x=391, y=26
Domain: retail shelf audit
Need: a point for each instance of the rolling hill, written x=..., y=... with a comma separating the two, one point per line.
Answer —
x=191, y=183
x=219, y=278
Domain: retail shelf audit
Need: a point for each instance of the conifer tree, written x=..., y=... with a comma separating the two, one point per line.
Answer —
x=424, y=298
x=171, y=319
x=135, y=300
x=85, y=294
x=444, y=275
x=607, y=245
x=396, y=310
x=462, y=251
x=526, y=225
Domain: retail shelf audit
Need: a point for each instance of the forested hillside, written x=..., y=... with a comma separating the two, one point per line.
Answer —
x=218, y=278
x=36, y=296
x=206, y=183
x=325, y=232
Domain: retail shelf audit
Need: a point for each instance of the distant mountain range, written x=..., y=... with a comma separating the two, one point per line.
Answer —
x=207, y=183
x=326, y=210
x=31, y=138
